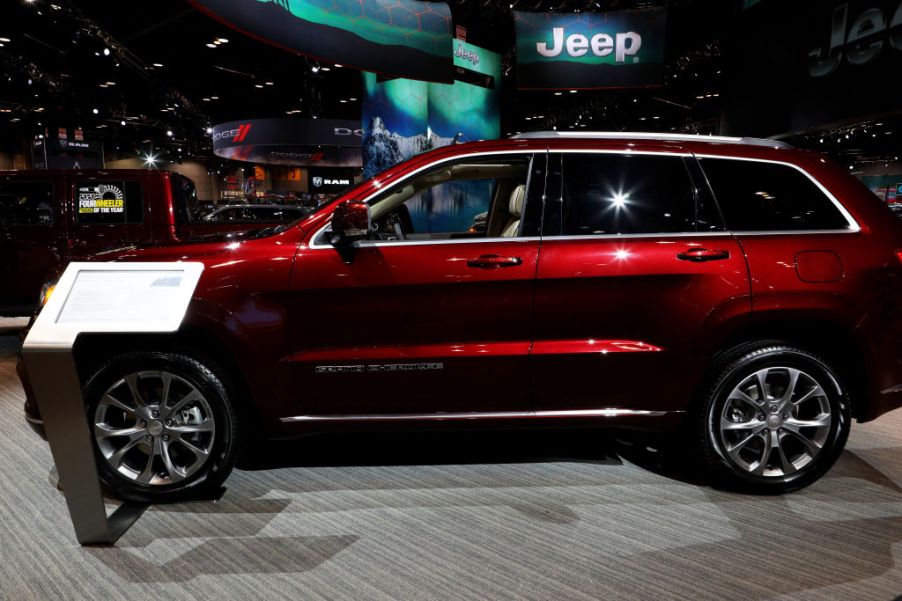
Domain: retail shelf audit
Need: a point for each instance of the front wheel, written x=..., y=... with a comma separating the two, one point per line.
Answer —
x=775, y=420
x=163, y=424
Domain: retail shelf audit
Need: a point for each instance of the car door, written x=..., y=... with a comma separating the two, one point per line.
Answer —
x=635, y=279
x=434, y=315
x=32, y=239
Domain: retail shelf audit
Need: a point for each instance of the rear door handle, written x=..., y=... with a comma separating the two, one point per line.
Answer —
x=699, y=255
x=494, y=262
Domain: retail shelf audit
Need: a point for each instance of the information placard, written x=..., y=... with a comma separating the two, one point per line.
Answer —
x=115, y=297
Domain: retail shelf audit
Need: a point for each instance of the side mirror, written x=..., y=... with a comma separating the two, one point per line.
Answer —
x=350, y=221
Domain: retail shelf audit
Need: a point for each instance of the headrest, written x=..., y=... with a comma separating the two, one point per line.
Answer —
x=516, y=203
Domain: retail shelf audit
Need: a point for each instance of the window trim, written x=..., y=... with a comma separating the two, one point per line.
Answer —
x=852, y=225
x=54, y=208
x=315, y=245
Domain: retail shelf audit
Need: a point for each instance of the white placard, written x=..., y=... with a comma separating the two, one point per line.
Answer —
x=115, y=297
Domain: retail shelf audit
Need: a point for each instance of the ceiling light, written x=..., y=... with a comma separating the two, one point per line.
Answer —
x=343, y=101
x=211, y=45
x=558, y=93
x=222, y=40
x=95, y=111
x=337, y=66
x=270, y=83
x=352, y=99
x=122, y=122
x=216, y=42
x=258, y=85
x=106, y=51
x=214, y=97
x=169, y=132
x=209, y=130
x=315, y=69
x=326, y=69
x=573, y=91
x=7, y=40
x=158, y=64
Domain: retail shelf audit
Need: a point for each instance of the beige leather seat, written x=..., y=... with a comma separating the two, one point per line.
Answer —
x=515, y=207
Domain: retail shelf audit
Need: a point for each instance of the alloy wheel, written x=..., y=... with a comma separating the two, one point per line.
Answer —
x=154, y=428
x=775, y=422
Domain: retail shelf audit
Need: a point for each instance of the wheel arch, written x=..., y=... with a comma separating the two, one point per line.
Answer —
x=815, y=333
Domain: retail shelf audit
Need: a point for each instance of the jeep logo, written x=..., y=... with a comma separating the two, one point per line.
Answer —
x=601, y=44
x=467, y=55
x=862, y=42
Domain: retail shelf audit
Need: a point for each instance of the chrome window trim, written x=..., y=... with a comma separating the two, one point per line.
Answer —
x=314, y=245
x=611, y=412
x=853, y=228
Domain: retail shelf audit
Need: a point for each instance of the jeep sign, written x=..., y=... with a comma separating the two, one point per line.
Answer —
x=590, y=50
x=858, y=43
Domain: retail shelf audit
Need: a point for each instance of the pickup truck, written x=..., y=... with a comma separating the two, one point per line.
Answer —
x=51, y=217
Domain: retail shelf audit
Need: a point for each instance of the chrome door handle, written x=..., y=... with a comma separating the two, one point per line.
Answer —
x=700, y=255
x=494, y=262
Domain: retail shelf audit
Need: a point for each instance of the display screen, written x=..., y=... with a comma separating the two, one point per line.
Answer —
x=583, y=50
x=402, y=38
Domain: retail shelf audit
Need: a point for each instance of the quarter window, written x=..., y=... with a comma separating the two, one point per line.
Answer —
x=108, y=202
x=610, y=194
x=26, y=203
x=756, y=196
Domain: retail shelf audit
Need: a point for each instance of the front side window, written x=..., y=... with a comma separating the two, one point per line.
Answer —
x=467, y=198
x=757, y=196
x=621, y=194
x=26, y=203
x=108, y=202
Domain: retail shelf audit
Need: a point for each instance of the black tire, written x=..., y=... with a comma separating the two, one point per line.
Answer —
x=223, y=443
x=734, y=469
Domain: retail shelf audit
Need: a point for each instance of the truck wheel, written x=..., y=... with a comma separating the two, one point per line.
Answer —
x=164, y=426
x=775, y=420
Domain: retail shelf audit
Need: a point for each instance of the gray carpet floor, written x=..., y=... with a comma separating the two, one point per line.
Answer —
x=462, y=516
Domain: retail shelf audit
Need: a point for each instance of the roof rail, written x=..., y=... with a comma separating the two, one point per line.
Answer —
x=625, y=135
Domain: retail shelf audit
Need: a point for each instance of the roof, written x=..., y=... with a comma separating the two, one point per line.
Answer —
x=623, y=135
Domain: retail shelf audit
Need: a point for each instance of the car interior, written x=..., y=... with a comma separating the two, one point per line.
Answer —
x=492, y=210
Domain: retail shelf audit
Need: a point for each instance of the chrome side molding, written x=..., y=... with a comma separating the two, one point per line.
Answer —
x=571, y=413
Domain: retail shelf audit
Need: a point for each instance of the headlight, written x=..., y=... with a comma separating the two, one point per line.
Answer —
x=47, y=292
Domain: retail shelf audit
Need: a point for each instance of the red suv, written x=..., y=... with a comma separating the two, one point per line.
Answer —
x=740, y=289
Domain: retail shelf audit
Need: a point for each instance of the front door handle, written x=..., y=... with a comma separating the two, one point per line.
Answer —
x=699, y=255
x=494, y=262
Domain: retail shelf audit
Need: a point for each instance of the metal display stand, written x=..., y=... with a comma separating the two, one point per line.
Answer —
x=89, y=298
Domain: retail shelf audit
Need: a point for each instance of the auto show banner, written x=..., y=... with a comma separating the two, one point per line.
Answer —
x=585, y=50
x=825, y=63
x=300, y=142
x=402, y=38
x=404, y=117
x=468, y=109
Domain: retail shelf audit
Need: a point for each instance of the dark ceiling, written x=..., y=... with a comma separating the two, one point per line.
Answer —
x=141, y=73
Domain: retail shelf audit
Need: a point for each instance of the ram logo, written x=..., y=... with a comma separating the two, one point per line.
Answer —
x=317, y=182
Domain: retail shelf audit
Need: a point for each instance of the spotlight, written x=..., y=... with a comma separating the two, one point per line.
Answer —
x=122, y=122
x=106, y=51
x=209, y=130
x=95, y=111
x=169, y=132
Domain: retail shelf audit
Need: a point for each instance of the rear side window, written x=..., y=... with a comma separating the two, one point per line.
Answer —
x=626, y=194
x=26, y=203
x=187, y=207
x=112, y=202
x=756, y=196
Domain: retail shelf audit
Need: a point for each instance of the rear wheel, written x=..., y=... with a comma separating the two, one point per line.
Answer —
x=163, y=424
x=775, y=420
